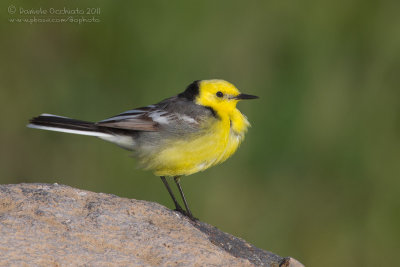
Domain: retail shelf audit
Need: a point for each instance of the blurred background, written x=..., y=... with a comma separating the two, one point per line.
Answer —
x=317, y=177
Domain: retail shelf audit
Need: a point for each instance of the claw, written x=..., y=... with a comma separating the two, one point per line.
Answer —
x=185, y=213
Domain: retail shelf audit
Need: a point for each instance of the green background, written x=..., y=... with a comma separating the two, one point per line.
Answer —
x=317, y=177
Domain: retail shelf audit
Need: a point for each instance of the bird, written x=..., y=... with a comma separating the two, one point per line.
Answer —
x=179, y=136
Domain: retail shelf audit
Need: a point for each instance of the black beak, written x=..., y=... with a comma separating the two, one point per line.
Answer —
x=245, y=96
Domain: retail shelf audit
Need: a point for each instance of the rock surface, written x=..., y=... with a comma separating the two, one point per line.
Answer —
x=57, y=225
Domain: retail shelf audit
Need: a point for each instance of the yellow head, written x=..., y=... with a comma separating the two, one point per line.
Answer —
x=219, y=95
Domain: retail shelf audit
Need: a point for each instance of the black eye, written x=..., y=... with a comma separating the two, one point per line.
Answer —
x=219, y=94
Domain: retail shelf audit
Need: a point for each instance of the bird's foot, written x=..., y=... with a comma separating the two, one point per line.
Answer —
x=185, y=213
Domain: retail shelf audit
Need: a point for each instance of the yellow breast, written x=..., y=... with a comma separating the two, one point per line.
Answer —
x=218, y=140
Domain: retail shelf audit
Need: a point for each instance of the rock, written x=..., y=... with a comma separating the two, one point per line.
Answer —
x=57, y=225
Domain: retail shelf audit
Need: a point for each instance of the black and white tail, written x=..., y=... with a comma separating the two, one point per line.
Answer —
x=120, y=137
x=66, y=125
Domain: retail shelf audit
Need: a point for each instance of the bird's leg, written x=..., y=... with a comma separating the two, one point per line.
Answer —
x=177, y=206
x=188, y=212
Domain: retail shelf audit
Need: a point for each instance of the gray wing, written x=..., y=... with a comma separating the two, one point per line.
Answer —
x=183, y=116
x=134, y=120
x=175, y=115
